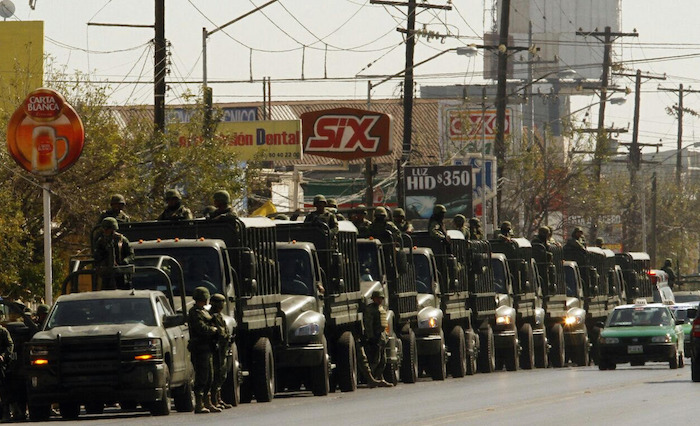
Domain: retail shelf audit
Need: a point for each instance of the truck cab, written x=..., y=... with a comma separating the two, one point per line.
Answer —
x=635, y=268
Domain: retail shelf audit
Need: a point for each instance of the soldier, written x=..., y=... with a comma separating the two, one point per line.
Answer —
x=207, y=211
x=459, y=222
x=174, y=209
x=321, y=214
x=399, y=216
x=111, y=250
x=475, y=229
x=436, y=228
x=375, y=340
x=220, y=350
x=203, y=334
x=6, y=350
x=506, y=231
x=577, y=240
x=668, y=268
x=42, y=311
x=116, y=210
x=222, y=201
x=359, y=219
x=542, y=236
x=380, y=224
x=600, y=242
x=333, y=207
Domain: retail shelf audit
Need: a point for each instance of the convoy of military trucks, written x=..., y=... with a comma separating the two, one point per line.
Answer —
x=295, y=296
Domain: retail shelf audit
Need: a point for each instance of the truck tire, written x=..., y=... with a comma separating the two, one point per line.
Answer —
x=409, y=364
x=541, y=349
x=263, y=370
x=557, y=355
x=39, y=413
x=346, y=365
x=436, y=363
x=510, y=358
x=527, y=345
x=458, y=352
x=487, y=352
x=472, y=352
x=581, y=353
x=231, y=390
x=162, y=407
x=182, y=398
x=69, y=410
x=320, y=375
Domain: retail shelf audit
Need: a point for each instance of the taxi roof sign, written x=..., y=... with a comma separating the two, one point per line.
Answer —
x=640, y=301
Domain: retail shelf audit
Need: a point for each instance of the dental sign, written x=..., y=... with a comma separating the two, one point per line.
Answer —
x=45, y=136
x=346, y=133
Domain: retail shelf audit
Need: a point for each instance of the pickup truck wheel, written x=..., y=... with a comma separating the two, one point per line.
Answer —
x=472, y=352
x=263, y=370
x=94, y=408
x=346, y=365
x=487, y=352
x=458, y=352
x=231, y=390
x=320, y=375
x=162, y=407
x=182, y=397
x=557, y=339
x=39, y=413
x=69, y=410
x=436, y=363
x=409, y=364
x=527, y=342
x=510, y=358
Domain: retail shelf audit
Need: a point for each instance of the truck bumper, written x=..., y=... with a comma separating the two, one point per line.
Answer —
x=574, y=337
x=503, y=339
x=144, y=382
x=429, y=345
x=309, y=355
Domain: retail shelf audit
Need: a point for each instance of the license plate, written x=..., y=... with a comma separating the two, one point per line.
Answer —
x=635, y=349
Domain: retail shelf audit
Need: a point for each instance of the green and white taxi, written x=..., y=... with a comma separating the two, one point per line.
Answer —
x=639, y=333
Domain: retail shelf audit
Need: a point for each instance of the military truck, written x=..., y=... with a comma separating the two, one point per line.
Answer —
x=238, y=259
x=616, y=280
x=576, y=332
x=386, y=263
x=520, y=330
x=342, y=299
x=101, y=347
x=635, y=268
x=444, y=310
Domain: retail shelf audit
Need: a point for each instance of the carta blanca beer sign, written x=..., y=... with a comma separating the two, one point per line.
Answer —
x=346, y=133
x=426, y=186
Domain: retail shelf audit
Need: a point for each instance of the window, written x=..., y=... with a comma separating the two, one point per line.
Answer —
x=102, y=311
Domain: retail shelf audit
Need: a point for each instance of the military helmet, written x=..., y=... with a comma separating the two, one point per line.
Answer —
x=577, y=229
x=544, y=230
x=599, y=240
x=172, y=193
x=380, y=212
x=378, y=293
x=117, y=199
x=42, y=309
x=668, y=261
x=222, y=196
x=399, y=212
x=361, y=209
x=217, y=298
x=475, y=221
x=110, y=223
x=200, y=294
x=506, y=224
x=320, y=199
x=332, y=202
x=459, y=219
x=439, y=208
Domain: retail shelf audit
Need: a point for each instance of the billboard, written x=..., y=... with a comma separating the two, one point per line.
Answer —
x=346, y=133
x=487, y=188
x=426, y=186
x=21, y=60
x=228, y=114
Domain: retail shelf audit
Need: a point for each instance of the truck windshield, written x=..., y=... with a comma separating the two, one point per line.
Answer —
x=102, y=311
x=571, y=290
x=499, y=276
x=201, y=266
x=369, y=261
x=423, y=276
x=296, y=272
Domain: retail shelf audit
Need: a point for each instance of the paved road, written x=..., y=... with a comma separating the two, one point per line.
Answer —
x=575, y=396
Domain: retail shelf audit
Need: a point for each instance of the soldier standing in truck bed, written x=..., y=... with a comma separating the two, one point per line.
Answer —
x=174, y=209
x=475, y=229
x=222, y=204
x=359, y=219
x=399, y=216
x=203, y=334
x=116, y=203
x=112, y=249
x=436, y=228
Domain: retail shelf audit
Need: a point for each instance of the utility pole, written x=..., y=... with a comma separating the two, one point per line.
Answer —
x=680, y=110
x=159, y=68
x=501, y=98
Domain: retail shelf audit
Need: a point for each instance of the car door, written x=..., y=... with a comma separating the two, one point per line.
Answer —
x=177, y=337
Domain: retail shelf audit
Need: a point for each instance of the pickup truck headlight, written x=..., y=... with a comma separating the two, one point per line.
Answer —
x=311, y=329
x=38, y=350
x=145, y=349
x=503, y=320
x=431, y=322
x=609, y=340
x=666, y=338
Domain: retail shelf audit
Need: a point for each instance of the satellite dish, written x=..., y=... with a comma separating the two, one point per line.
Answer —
x=7, y=8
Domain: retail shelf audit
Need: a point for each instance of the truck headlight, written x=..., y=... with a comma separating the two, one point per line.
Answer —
x=504, y=320
x=572, y=320
x=311, y=329
x=431, y=322
x=38, y=350
x=145, y=349
x=666, y=338
x=609, y=340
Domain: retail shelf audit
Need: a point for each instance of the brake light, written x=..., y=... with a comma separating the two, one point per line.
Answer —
x=696, y=327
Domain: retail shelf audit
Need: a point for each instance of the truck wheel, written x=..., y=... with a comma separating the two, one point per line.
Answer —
x=510, y=359
x=557, y=339
x=263, y=370
x=69, y=410
x=458, y=352
x=487, y=353
x=346, y=367
x=182, y=397
x=472, y=352
x=541, y=349
x=162, y=407
x=527, y=343
x=39, y=413
x=581, y=356
x=436, y=363
x=231, y=390
x=320, y=374
x=409, y=364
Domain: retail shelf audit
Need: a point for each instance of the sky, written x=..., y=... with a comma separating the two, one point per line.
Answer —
x=329, y=43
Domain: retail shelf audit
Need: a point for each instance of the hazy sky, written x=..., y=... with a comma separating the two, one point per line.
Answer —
x=339, y=39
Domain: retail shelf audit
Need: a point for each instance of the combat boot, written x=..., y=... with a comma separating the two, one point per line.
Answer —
x=209, y=406
x=220, y=402
x=385, y=384
x=199, y=407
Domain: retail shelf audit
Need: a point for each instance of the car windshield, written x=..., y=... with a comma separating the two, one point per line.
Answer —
x=423, y=276
x=641, y=316
x=102, y=311
x=499, y=276
x=296, y=272
x=369, y=261
x=201, y=266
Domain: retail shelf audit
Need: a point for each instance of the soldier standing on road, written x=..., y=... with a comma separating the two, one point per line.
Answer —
x=399, y=216
x=375, y=340
x=111, y=250
x=222, y=203
x=436, y=229
x=174, y=209
x=475, y=229
x=203, y=334
x=6, y=350
x=668, y=268
x=359, y=219
x=577, y=241
x=459, y=222
x=220, y=350
x=116, y=203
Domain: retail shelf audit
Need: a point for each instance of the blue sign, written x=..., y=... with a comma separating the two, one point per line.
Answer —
x=229, y=114
x=475, y=161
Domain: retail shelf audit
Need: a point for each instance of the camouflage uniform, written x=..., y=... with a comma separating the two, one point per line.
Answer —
x=460, y=223
x=375, y=340
x=111, y=250
x=506, y=231
x=321, y=214
x=380, y=225
x=203, y=334
x=400, y=221
x=117, y=203
x=175, y=211
x=577, y=242
x=6, y=351
x=542, y=236
x=475, y=229
x=223, y=210
x=220, y=350
x=436, y=229
x=333, y=207
x=360, y=221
